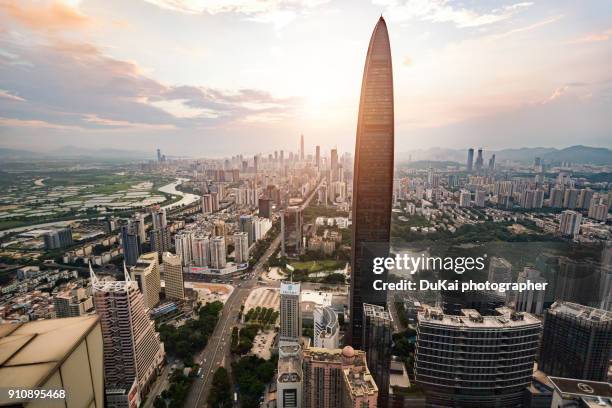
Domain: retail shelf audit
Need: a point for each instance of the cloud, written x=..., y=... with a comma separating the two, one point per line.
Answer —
x=6, y=95
x=50, y=16
x=593, y=37
x=441, y=11
x=67, y=84
x=277, y=12
x=527, y=28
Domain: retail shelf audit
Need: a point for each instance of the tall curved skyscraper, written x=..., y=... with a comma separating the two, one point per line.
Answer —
x=372, y=178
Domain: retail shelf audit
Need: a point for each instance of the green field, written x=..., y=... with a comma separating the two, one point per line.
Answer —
x=318, y=266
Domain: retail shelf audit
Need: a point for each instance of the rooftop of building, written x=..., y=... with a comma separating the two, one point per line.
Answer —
x=289, y=369
x=471, y=318
x=31, y=352
x=290, y=288
x=591, y=390
x=360, y=382
x=581, y=311
x=376, y=311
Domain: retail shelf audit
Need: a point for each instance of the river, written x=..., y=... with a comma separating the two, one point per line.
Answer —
x=168, y=188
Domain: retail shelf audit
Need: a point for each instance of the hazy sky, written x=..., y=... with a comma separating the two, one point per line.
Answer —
x=215, y=77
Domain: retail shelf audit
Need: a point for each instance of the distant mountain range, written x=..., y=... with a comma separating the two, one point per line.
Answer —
x=575, y=154
x=72, y=152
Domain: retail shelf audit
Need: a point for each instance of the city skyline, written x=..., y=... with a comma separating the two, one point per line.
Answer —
x=507, y=74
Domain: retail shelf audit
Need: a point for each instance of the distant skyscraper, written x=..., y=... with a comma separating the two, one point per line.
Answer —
x=173, y=277
x=334, y=169
x=470, y=160
x=302, y=147
x=159, y=156
x=318, y=156
x=576, y=342
x=492, y=164
x=372, y=178
x=377, y=341
x=265, y=207
x=133, y=353
x=290, y=313
x=479, y=161
x=146, y=274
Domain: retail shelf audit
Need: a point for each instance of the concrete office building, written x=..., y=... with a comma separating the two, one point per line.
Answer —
x=582, y=335
x=475, y=360
x=290, y=313
x=173, y=277
x=133, y=353
x=377, y=342
x=372, y=179
x=56, y=354
x=146, y=274
x=241, y=247
x=326, y=328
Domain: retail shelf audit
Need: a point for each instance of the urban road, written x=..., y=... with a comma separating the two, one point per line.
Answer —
x=217, y=352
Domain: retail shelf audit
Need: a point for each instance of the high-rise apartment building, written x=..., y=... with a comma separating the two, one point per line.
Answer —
x=146, y=274
x=183, y=244
x=372, y=178
x=500, y=270
x=133, y=353
x=72, y=302
x=218, y=253
x=200, y=250
x=207, y=204
x=569, y=223
x=377, y=342
x=465, y=198
x=58, y=238
x=326, y=328
x=531, y=301
x=55, y=354
x=475, y=360
x=241, y=247
x=290, y=313
x=173, y=277
x=576, y=342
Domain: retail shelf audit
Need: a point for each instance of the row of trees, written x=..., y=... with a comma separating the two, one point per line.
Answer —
x=220, y=395
x=175, y=395
x=262, y=315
